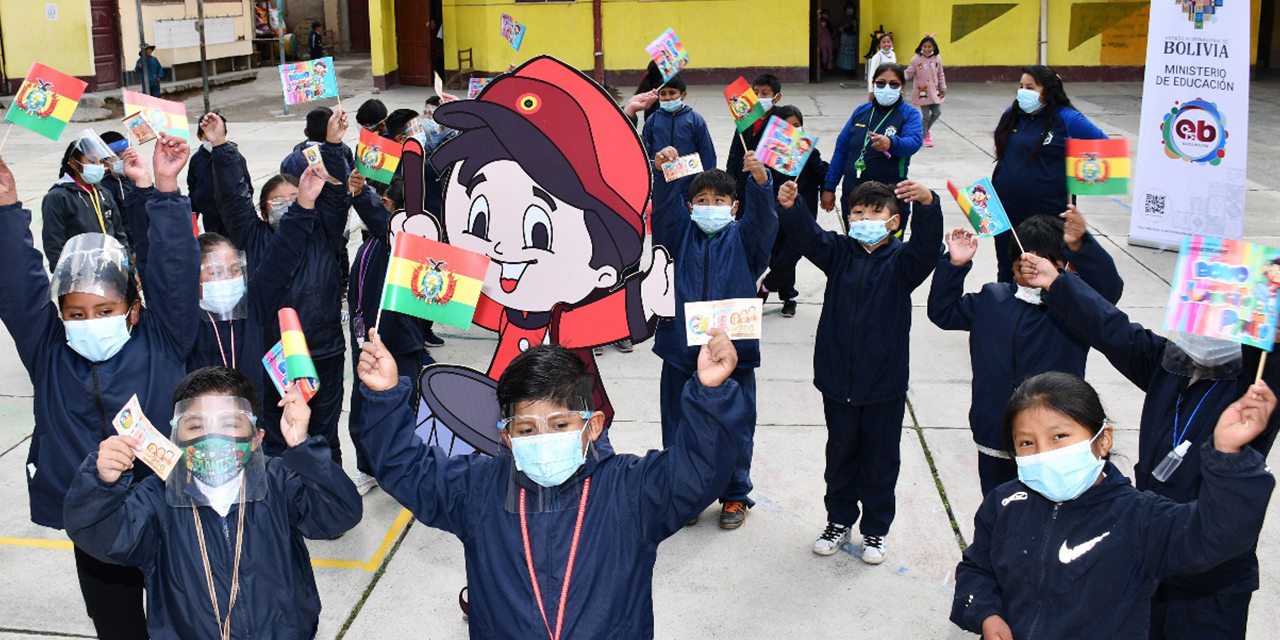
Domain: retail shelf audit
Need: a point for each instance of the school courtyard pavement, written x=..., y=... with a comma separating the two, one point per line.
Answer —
x=394, y=577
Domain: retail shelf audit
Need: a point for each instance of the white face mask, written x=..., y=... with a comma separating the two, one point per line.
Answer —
x=766, y=103
x=1029, y=295
x=221, y=296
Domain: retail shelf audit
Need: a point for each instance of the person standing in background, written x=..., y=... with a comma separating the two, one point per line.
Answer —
x=883, y=55
x=930, y=83
x=149, y=65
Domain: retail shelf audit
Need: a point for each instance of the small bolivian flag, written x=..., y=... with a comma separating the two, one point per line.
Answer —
x=45, y=101
x=1097, y=167
x=377, y=157
x=743, y=104
x=298, y=366
x=433, y=280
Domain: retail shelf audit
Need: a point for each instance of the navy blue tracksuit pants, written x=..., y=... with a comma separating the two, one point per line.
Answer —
x=672, y=386
x=326, y=408
x=863, y=459
x=1177, y=614
x=993, y=472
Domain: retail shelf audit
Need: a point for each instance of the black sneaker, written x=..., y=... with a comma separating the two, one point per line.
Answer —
x=789, y=308
x=733, y=514
x=763, y=294
x=430, y=339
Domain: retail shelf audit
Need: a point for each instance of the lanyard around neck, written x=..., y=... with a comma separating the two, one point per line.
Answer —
x=866, y=138
x=96, y=201
x=224, y=629
x=568, y=572
x=218, y=335
x=1178, y=438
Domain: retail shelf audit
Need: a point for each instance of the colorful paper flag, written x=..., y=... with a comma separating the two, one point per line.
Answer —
x=164, y=115
x=980, y=203
x=309, y=80
x=1225, y=289
x=513, y=31
x=377, y=157
x=1098, y=167
x=784, y=147
x=433, y=280
x=668, y=53
x=474, y=85
x=298, y=367
x=45, y=101
x=743, y=104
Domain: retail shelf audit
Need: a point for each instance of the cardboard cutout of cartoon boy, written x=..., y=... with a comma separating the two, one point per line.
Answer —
x=549, y=179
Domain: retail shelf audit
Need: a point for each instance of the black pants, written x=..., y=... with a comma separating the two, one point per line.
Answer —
x=326, y=408
x=408, y=364
x=783, y=259
x=863, y=460
x=112, y=597
x=993, y=472
x=1187, y=615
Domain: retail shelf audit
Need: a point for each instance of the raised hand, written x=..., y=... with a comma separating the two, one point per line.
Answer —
x=135, y=169
x=912, y=191
x=787, y=194
x=214, y=129
x=752, y=165
x=309, y=185
x=115, y=456
x=1074, y=228
x=337, y=126
x=1245, y=419
x=377, y=369
x=717, y=359
x=171, y=155
x=297, y=416
x=640, y=102
x=828, y=201
x=8, y=188
x=1038, y=271
x=962, y=245
x=355, y=183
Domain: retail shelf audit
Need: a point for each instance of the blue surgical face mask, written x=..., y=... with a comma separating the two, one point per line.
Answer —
x=99, y=339
x=671, y=106
x=1029, y=100
x=117, y=167
x=869, y=232
x=1062, y=474
x=711, y=219
x=550, y=458
x=92, y=173
x=887, y=96
x=221, y=296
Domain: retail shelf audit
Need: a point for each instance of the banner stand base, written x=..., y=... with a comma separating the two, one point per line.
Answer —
x=1153, y=244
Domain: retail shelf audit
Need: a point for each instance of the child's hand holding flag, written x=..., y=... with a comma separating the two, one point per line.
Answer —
x=297, y=416
x=1074, y=228
x=787, y=194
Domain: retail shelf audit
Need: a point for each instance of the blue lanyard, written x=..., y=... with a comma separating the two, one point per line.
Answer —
x=1177, y=439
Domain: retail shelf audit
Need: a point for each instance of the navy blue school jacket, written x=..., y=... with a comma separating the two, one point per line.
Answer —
x=1011, y=340
x=401, y=334
x=75, y=399
x=1029, y=185
x=202, y=184
x=901, y=122
x=861, y=354
x=726, y=265
x=315, y=286
x=635, y=502
x=1087, y=568
x=129, y=523
x=1137, y=354
x=685, y=130
x=295, y=163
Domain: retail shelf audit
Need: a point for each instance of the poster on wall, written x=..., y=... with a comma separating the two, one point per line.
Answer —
x=1193, y=135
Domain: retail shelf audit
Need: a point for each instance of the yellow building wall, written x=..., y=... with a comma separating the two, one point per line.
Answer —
x=63, y=44
x=382, y=36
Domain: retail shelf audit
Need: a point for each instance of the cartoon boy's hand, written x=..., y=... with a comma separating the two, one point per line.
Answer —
x=657, y=289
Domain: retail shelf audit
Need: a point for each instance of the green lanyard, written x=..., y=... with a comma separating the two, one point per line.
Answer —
x=861, y=165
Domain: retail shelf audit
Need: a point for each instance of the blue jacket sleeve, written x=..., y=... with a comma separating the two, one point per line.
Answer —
x=279, y=263
x=139, y=221
x=1079, y=127
x=835, y=170
x=25, y=306
x=702, y=136
x=977, y=594
x=921, y=252
x=647, y=137
x=372, y=213
x=759, y=224
x=323, y=502
x=1132, y=349
x=670, y=222
x=172, y=297
x=1096, y=267
x=804, y=235
x=118, y=522
x=950, y=308
x=911, y=138
x=672, y=485
x=234, y=194
x=334, y=201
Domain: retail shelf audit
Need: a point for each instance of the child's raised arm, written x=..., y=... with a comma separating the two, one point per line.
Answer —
x=950, y=308
x=25, y=306
x=803, y=233
x=170, y=286
x=234, y=194
x=759, y=219
x=109, y=516
x=670, y=219
x=922, y=250
x=284, y=250
x=323, y=502
x=1090, y=261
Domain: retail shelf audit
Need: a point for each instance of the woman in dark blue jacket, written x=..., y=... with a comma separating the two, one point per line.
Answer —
x=1071, y=549
x=82, y=378
x=1031, y=152
x=876, y=144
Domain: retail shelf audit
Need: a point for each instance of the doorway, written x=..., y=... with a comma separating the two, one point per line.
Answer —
x=106, y=45
x=842, y=58
x=413, y=42
x=358, y=19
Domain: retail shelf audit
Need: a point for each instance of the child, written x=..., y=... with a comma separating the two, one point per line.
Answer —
x=860, y=356
x=783, y=258
x=1187, y=380
x=264, y=587
x=89, y=347
x=200, y=179
x=1011, y=335
x=716, y=257
x=769, y=90
x=930, y=83
x=78, y=203
x=676, y=124
x=882, y=55
x=315, y=42
x=590, y=519
x=317, y=132
x=372, y=115
x=1073, y=550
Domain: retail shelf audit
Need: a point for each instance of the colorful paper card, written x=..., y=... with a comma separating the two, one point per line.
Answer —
x=140, y=128
x=784, y=147
x=682, y=166
x=316, y=161
x=739, y=317
x=154, y=449
x=474, y=85
x=45, y=101
x=512, y=31
x=1225, y=289
x=1098, y=167
x=377, y=157
x=298, y=366
x=668, y=53
x=980, y=203
x=744, y=106
x=168, y=116
x=433, y=280
x=274, y=363
x=309, y=80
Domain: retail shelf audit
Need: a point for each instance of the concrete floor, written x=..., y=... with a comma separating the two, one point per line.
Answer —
x=391, y=577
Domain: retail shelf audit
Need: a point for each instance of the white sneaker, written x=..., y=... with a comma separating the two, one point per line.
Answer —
x=364, y=482
x=832, y=538
x=873, y=549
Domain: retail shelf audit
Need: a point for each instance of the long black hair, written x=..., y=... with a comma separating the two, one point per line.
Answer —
x=920, y=47
x=1053, y=94
x=73, y=151
x=1061, y=392
x=265, y=194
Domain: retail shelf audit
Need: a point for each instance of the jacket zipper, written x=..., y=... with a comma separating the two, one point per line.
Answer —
x=1044, y=559
x=857, y=300
x=706, y=269
x=102, y=412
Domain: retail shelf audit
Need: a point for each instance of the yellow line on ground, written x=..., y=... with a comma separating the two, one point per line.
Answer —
x=37, y=542
x=397, y=527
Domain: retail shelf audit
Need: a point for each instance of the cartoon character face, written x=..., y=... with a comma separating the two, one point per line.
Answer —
x=540, y=243
x=1272, y=272
x=979, y=199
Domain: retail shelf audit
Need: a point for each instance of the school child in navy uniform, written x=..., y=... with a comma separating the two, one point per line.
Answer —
x=1187, y=381
x=222, y=541
x=768, y=90
x=716, y=257
x=201, y=182
x=861, y=354
x=676, y=124
x=783, y=258
x=1011, y=335
x=1071, y=549
x=590, y=519
x=88, y=347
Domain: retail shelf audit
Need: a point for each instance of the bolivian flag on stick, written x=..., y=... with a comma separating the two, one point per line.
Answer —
x=164, y=115
x=433, y=280
x=45, y=101
x=377, y=157
x=743, y=104
x=298, y=367
x=1097, y=167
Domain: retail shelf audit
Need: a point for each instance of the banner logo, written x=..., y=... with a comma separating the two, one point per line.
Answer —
x=1196, y=132
x=1197, y=10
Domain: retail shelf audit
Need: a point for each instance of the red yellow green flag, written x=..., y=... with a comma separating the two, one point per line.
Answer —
x=433, y=280
x=164, y=115
x=743, y=104
x=377, y=157
x=298, y=366
x=45, y=101
x=1098, y=167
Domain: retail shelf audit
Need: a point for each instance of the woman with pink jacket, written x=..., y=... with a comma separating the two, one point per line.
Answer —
x=930, y=84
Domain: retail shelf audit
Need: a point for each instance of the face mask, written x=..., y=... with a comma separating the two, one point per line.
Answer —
x=207, y=146
x=887, y=96
x=1029, y=295
x=275, y=213
x=711, y=219
x=1061, y=474
x=766, y=103
x=421, y=138
x=869, y=232
x=92, y=173
x=100, y=339
x=430, y=125
x=672, y=106
x=221, y=296
x=550, y=458
x=214, y=459
x=1029, y=100
x=117, y=167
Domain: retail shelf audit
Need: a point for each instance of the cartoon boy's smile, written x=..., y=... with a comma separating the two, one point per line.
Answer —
x=511, y=273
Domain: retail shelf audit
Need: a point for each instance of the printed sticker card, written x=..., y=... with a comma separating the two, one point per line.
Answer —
x=682, y=166
x=312, y=153
x=739, y=317
x=155, y=450
x=140, y=128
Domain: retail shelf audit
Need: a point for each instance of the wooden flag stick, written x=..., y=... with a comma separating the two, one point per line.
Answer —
x=6, y=136
x=1016, y=239
x=744, y=143
x=1262, y=362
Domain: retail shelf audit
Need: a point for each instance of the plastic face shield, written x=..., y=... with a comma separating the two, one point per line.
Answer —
x=223, y=283
x=544, y=499
x=91, y=263
x=92, y=146
x=221, y=449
